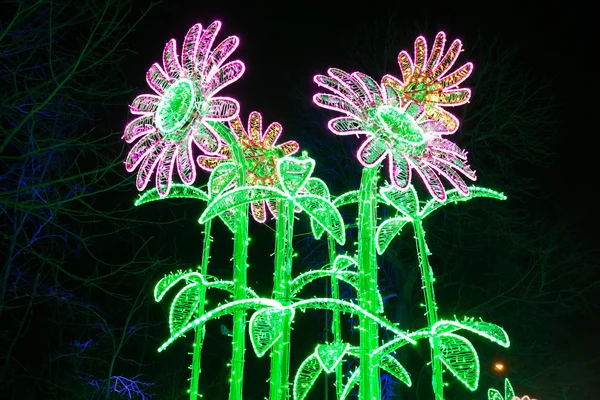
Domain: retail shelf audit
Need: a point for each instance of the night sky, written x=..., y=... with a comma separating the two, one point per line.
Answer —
x=283, y=46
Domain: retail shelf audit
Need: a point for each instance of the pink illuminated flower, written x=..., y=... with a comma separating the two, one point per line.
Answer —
x=402, y=132
x=426, y=80
x=521, y=398
x=261, y=156
x=176, y=116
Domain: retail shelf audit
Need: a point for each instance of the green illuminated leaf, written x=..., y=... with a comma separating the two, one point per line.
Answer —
x=221, y=178
x=454, y=196
x=330, y=355
x=316, y=228
x=394, y=368
x=228, y=218
x=228, y=286
x=266, y=327
x=343, y=261
x=493, y=394
x=350, y=308
x=509, y=392
x=217, y=312
x=178, y=191
x=317, y=187
x=324, y=213
x=184, y=306
x=294, y=172
x=351, y=197
x=405, y=201
x=170, y=280
x=487, y=330
x=307, y=374
x=239, y=196
x=352, y=380
x=387, y=231
x=460, y=357
x=347, y=198
x=398, y=342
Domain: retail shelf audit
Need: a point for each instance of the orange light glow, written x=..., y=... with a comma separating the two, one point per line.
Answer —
x=499, y=367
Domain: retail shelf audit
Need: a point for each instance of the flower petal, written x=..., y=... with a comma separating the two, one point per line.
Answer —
x=430, y=178
x=448, y=60
x=205, y=45
x=222, y=109
x=433, y=127
x=393, y=89
x=209, y=163
x=420, y=55
x=446, y=146
x=147, y=167
x=337, y=103
x=185, y=163
x=455, y=97
x=143, y=125
x=237, y=128
x=406, y=66
x=272, y=205
x=224, y=76
x=220, y=54
x=372, y=151
x=144, y=104
x=347, y=126
x=436, y=113
x=171, y=60
x=288, y=148
x=164, y=171
x=255, y=127
x=370, y=87
x=190, y=48
x=335, y=85
x=359, y=96
x=205, y=137
x=436, y=52
x=457, y=77
x=449, y=174
x=399, y=168
x=259, y=211
x=459, y=164
x=271, y=135
x=141, y=150
x=157, y=79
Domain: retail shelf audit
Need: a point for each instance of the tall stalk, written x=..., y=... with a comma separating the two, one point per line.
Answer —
x=336, y=325
x=430, y=308
x=240, y=256
x=280, y=355
x=199, y=331
x=369, y=334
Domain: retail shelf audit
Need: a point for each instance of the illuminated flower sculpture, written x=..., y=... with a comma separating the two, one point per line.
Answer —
x=177, y=115
x=261, y=155
x=426, y=83
x=396, y=128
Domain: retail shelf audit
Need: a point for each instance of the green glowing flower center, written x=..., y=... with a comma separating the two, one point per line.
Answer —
x=175, y=108
x=416, y=91
x=400, y=127
x=262, y=163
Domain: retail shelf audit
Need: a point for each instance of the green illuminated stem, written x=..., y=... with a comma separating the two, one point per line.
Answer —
x=280, y=355
x=336, y=323
x=240, y=255
x=430, y=308
x=199, y=337
x=369, y=335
